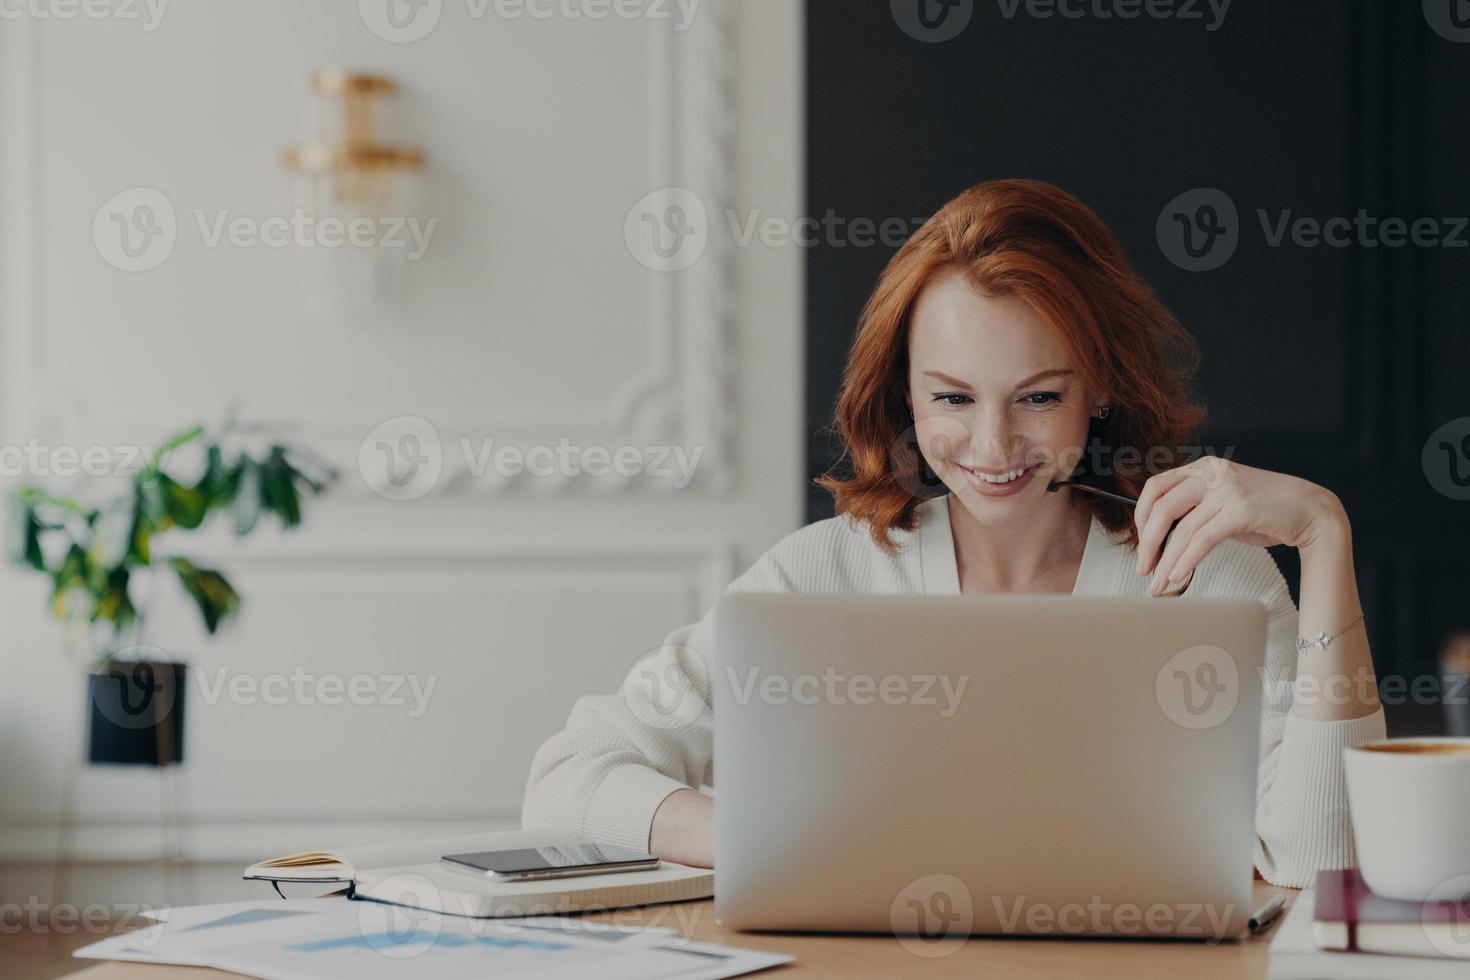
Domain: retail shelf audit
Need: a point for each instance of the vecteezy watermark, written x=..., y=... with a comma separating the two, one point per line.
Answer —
x=401, y=922
x=63, y=462
x=321, y=689
x=1200, y=229
x=1209, y=13
x=1099, y=917
x=932, y=916
x=38, y=917
x=300, y=229
x=932, y=21
x=148, y=13
x=413, y=894
x=937, y=21
x=398, y=922
x=137, y=229
x=400, y=21
x=669, y=229
x=833, y=687
x=1446, y=459
x=1198, y=687
x=1360, y=686
x=660, y=692
x=939, y=439
x=401, y=459
x=406, y=21
x=831, y=229
x=1448, y=18
x=1445, y=916
x=145, y=685
x=404, y=458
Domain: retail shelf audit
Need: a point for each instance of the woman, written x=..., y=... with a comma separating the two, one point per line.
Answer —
x=1012, y=342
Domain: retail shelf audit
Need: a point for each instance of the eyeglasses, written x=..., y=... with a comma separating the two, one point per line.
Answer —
x=1131, y=502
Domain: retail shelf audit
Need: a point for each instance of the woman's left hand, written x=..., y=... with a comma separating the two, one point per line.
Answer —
x=1214, y=499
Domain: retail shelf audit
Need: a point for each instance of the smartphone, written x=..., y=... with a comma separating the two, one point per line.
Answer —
x=560, y=861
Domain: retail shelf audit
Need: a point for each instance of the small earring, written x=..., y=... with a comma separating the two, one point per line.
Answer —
x=1102, y=413
x=911, y=413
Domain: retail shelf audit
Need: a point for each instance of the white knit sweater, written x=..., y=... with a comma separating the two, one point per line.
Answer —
x=622, y=754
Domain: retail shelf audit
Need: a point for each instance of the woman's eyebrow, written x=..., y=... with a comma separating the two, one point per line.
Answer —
x=941, y=376
x=947, y=379
x=1044, y=374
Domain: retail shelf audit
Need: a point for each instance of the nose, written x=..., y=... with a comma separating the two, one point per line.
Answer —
x=993, y=439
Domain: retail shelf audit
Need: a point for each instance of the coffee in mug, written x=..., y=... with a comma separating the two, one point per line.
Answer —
x=1409, y=799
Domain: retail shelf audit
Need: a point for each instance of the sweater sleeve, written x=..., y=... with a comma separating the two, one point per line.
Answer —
x=1302, y=823
x=621, y=755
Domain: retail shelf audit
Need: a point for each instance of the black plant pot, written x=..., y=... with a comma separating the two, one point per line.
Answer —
x=136, y=714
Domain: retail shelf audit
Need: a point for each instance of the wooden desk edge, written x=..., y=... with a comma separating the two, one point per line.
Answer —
x=858, y=956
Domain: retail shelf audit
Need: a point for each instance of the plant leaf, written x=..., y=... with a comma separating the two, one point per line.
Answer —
x=23, y=534
x=278, y=490
x=69, y=578
x=247, y=500
x=161, y=455
x=140, y=538
x=216, y=598
x=220, y=482
x=112, y=543
x=186, y=506
x=152, y=502
x=113, y=604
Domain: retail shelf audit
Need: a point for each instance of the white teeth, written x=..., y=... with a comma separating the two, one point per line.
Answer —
x=1002, y=478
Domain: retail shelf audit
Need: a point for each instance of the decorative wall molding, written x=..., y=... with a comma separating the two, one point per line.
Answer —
x=683, y=400
x=656, y=567
x=706, y=567
x=693, y=574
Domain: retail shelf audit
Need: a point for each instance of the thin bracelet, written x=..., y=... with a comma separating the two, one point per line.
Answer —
x=1322, y=639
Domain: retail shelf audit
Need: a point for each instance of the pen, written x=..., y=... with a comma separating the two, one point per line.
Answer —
x=1099, y=492
x=1266, y=914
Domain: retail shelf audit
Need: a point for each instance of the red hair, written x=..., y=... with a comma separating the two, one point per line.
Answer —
x=1034, y=241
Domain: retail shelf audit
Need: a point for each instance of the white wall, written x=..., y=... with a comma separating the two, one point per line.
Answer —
x=527, y=321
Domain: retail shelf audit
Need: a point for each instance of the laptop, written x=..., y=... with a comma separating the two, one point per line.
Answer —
x=938, y=766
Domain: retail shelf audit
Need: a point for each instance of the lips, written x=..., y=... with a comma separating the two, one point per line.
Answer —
x=997, y=478
x=1004, y=484
x=1000, y=478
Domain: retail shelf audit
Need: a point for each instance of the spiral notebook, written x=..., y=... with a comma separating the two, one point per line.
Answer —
x=409, y=873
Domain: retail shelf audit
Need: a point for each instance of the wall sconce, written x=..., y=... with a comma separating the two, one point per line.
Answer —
x=355, y=195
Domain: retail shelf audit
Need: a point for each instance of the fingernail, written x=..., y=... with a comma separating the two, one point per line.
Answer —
x=1154, y=583
x=1177, y=577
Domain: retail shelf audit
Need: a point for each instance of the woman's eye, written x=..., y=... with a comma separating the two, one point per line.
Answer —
x=952, y=398
x=1041, y=397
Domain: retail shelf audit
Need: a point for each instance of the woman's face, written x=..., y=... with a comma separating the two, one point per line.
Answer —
x=994, y=395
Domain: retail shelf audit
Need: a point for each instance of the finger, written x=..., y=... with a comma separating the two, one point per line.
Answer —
x=1201, y=543
x=1154, y=488
x=1168, y=509
x=1178, y=543
x=1212, y=469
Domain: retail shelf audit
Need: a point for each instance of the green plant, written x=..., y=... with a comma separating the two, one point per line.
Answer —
x=92, y=552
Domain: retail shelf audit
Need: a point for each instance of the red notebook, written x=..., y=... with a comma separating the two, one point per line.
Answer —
x=1348, y=916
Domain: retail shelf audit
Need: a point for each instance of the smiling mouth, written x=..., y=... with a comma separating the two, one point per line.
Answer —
x=998, y=479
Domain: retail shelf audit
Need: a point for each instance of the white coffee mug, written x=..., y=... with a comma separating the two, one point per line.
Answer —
x=1410, y=802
